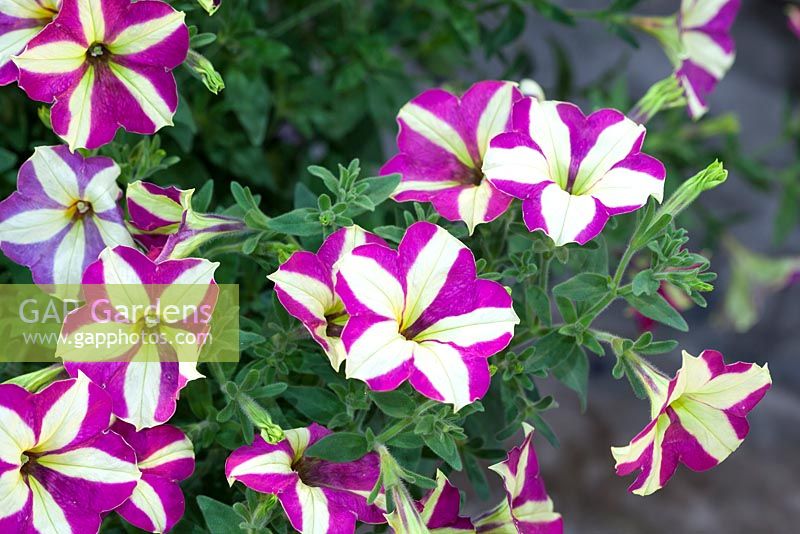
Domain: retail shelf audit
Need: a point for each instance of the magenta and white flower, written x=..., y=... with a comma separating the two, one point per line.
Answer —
x=707, y=48
x=698, y=418
x=61, y=468
x=571, y=171
x=165, y=456
x=793, y=16
x=162, y=220
x=440, y=509
x=305, y=283
x=421, y=314
x=21, y=21
x=442, y=142
x=62, y=215
x=319, y=497
x=527, y=509
x=106, y=64
x=148, y=309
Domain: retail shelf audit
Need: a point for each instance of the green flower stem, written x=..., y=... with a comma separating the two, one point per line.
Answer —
x=38, y=379
x=402, y=424
x=544, y=270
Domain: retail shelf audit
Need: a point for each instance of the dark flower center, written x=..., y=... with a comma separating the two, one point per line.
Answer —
x=306, y=470
x=335, y=324
x=82, y=208
x=97, y=53
x=28, y=466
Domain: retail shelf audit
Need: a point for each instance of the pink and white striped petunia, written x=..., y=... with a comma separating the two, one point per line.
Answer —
x=793, y=16
x=698, y=418
x=21, y=21
x=62, y=215
x=164, y=222
x=61, y=468
x=571, y=171
x=420, y=314
x=527, y=509
x=305, y=282
x=442, y=142
x=440, y=509
x=707, y=48
x=319, y=497
x=106, y=64
x=159, y=314
x=165, y=456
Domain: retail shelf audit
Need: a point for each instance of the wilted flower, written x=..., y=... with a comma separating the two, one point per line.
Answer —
x=572, y=172
x=19, y=23
x=165, y=456
x=439, y=509
x=421, y=314
x=442, y=142
x=62, y=215
x=105, y=64
x=305, y=286
x=527, y=509
x=61, y=468
x=163, y=220
x=698, y=418
x=146, y=311
x=318, y=496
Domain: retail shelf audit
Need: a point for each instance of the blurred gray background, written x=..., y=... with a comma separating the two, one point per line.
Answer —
x=757, y=490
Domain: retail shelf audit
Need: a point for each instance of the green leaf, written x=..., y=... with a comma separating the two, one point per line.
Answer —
x=553, y=12
x=644, y=283
x=317, y=403
x=339, y=447
x=444, y=446
x=573, y=372
x=300, y=222
x=201, y=199
x=380, y=187
x=657, y=308
x=249, y=99
x=393, y=403
x=536, y=298
x=567, y=309
x=220, y=518
x=585, y=286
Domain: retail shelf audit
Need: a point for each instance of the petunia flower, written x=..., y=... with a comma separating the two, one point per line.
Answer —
x=442, y=142
x=698, y=42
x=151, y=309
x=21, y=21
x=106, y=64
x=305, y=282
x=793, y=16
x=318, y=496
x=698, y=418
x=421, y=314
x=211, y=6
x=527, y=509
x=163, y=220
x=571, y=171
x=165, y=456
x=62, y=215
x=61, y=468
x=439, y=510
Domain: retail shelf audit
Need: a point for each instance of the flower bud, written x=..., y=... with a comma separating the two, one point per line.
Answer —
x=260, y=418
x=211, y=6
x=530, y=87
x=664, y=94
x=709, y=178
x=202, y=69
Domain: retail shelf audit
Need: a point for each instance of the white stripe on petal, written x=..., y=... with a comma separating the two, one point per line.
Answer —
x=69, y=256
x=705, y=52
x=48, y=517
x=622, y=187
x=47, y=222
x=373, y=286
x=425, y=185
x=428, y=274
x=520, y=164
x=271, y=463
x=566, y=215
x=59, y=57
x=298, y=439
x=92, y=20
x=177, y=450
x=23, y=9
x=123, y=284
x=444, y=368
x=142, y=389
x=612, y=146
x=13, y=492
x=380, y=349
x=15, y=436
x=93, y=465
x=56, y=177
x=695, y=13
x=113, y=233
x=435, y=130
x=551, y=135
x=473, y=203
x=480, y=325
x=314, y=507
x=14, y=42
x=145, y=94
x=710, y=426
x=146, y=499
x=312, y=294
x=495, y=116
x=139, y=37
x=80, y=111
x=102, y=190
x=63, y=420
